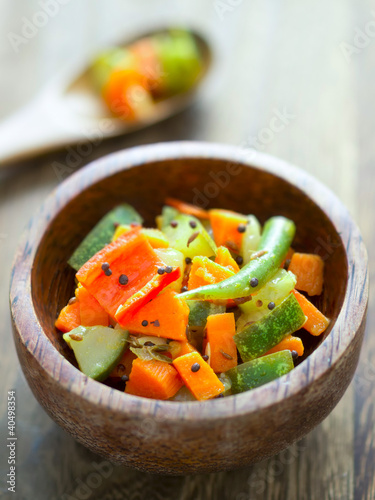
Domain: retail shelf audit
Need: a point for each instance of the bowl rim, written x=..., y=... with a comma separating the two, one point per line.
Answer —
x=317, y=364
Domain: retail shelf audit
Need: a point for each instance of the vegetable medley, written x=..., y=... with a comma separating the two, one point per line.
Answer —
x=206, y=305
x=133, y=78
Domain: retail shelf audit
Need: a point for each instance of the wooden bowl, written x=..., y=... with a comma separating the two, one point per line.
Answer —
x=170, y=437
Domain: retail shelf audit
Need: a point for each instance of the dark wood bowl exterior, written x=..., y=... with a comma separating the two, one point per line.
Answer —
x=180, y=438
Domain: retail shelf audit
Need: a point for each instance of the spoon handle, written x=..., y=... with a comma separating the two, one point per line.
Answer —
x=35, y=128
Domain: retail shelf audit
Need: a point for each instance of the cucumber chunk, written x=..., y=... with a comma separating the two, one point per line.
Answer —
x=97, y=349
x=251, y=238
x=260, y=371
x=261, y=336
x=102, y=234
x=190, y=237
x=275, y=290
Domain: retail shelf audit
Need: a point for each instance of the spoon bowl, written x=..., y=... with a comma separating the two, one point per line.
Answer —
x=69, y=110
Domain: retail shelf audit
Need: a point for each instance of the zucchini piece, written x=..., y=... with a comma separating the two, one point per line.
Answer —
x=251, y=238
x=261, y=336
x=102, y=234
x=168, y=214
x=275, y=290
x=260, y=371
x=190, y=237
x=97, y=349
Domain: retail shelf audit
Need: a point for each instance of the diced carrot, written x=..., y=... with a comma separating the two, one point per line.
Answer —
x=69, y=318
x=92, y=313
x=187, y=208
x=308, y=269
x=224, y=258
x=117, y=93
x=288, y=256
x=165, y=316
x=124, y=366
x=203, y=383
x=153, y=379
x=155, y=237
x=206, y=272
x=180, y=349
x=130, y=255
x=227, y=228
x=223, y=351
x=316, y=322
x=289, y=343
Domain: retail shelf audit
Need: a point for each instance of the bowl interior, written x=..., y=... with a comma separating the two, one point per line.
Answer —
x=206, y=182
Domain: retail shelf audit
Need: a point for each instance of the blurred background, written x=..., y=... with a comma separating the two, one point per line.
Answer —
x=310, y=62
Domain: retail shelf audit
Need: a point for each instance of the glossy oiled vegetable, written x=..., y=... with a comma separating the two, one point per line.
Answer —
x=204, y=271
x=198, y=376
x=224, y=258
x=91, y=312
x=153, y=379
x=132, y=257
x=97, y=349
x=186, y=234
x=291, y=343
x=260, y=371
x=69, y=318
x=309, y=270
x=221, y=329
x=165, y=316
x=102, y=234
x=261, y=336
x=276, y=239
x=316, y=322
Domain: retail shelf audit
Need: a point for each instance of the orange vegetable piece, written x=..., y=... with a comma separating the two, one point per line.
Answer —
x=124, y=366
x=288, y=343
x=187, y=208
x=225, y=225
x=69, y=318
x=166, y=316
x=153, y=379
x=130, y=255
x=308, y=269
x=224, y=258
x=91, y=311
x=223, y=351
x=117, y=92
x=180, y=349
x=206, y=272
x=316, y=322
x=204, y=383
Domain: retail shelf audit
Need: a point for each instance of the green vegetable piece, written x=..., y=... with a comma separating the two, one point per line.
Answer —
x=97, y=349
x=167, y=216
x=180, y=60
x=190, y=237
x=273, y=293
x=260, y=371
x=109, y=61
x=277, y=236
x=261, y=336
x=102, y=234
x=251, y=238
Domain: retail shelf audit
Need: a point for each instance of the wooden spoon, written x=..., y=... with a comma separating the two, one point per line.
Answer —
x=69, y=110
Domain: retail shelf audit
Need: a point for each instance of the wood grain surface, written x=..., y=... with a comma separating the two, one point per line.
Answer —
x=273, y=58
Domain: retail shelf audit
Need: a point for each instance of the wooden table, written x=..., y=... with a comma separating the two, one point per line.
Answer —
x=274, y=58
